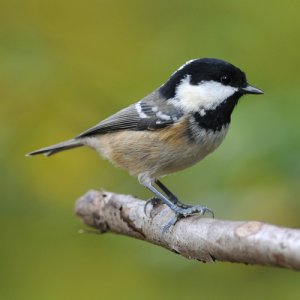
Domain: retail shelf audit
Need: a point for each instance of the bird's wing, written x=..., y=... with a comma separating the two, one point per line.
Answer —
x=150, y=113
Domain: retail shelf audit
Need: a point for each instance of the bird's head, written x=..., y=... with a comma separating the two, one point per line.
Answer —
x=205, y=84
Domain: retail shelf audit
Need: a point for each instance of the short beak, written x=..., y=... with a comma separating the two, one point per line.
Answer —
x=251, y=90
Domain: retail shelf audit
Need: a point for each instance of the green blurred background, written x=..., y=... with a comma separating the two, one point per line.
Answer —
x=65, y=65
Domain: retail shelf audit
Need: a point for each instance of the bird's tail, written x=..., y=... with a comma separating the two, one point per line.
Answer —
x=47, y=151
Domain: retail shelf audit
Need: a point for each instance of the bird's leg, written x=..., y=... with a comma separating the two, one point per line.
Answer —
x=180, y=212
x=170, y=195
x=155, y=201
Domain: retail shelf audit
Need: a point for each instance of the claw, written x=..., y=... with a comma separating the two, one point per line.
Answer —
x=186, y=212
x=209, y=211
x=146, y=205
x=191, y=210
x=153, y=201
x=169, y=224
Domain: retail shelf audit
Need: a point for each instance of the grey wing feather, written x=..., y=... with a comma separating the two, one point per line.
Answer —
x=139, y=116
x=126, y=118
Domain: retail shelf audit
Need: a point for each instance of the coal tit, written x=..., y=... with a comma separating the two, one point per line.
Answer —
x=171, y=129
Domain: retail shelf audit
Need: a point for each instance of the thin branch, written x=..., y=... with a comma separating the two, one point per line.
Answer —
x=204, y=239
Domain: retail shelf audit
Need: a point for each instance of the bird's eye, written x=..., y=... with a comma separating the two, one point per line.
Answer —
x=225, y=79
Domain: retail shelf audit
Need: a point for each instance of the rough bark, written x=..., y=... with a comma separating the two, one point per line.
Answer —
x=200, y=238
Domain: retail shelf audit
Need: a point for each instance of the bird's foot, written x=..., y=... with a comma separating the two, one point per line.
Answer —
x=184, y=211
x=153, y=201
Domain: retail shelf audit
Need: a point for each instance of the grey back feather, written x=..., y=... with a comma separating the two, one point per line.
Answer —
x=153, y=113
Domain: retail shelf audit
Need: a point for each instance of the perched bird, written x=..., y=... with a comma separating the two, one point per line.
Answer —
x=171, y=129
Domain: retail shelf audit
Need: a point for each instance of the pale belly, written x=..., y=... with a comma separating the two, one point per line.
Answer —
x=155, y=153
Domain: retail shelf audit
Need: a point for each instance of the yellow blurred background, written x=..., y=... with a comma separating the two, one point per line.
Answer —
x=65, y=65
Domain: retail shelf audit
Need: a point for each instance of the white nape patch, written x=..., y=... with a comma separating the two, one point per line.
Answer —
x=205, y=95
x=140, y=111
x=162, y=116
x=185, y=64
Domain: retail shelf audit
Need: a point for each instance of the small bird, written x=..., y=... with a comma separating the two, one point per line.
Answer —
x=172, y=128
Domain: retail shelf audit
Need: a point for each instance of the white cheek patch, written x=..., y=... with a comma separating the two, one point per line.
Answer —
x=206, y=95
